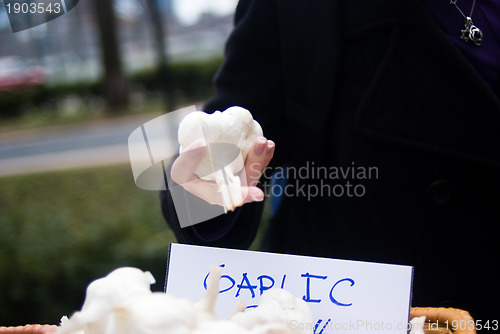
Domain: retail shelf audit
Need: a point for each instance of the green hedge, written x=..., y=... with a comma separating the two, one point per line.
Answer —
x=61, y=230
x=13, y=103
x=190, y=81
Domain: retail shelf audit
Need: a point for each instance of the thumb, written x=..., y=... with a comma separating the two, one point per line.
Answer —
x=252, y=194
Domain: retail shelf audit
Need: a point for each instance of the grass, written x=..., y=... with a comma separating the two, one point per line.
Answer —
x=61, y=230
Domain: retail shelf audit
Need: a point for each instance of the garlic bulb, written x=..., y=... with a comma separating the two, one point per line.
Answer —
x=122, y=303
x=228, y=136
x=102, y=296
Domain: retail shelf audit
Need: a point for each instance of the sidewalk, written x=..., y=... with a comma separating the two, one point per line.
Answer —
x=92, y=143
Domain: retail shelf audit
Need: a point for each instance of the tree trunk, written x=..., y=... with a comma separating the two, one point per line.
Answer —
x=114, y=82
x=164, y=74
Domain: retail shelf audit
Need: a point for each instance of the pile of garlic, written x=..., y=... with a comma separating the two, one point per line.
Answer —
x=228, y=136
x=122, y=303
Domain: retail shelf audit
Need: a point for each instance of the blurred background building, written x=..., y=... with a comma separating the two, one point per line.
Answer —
x=68, y=50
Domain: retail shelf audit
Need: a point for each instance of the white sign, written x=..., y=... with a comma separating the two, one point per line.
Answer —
x=345, y=296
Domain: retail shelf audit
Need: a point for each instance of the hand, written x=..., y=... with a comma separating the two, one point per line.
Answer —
x=256, y=162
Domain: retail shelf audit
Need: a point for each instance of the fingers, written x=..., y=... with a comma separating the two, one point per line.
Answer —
x=211, y=193
x=184, y=166
x=258, y=158
x=183, y=173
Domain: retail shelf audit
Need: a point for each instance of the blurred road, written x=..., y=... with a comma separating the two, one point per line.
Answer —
x=93, y=143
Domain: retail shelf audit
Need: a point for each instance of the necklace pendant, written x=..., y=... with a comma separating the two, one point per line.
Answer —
x=471, y=32
x=475, y=35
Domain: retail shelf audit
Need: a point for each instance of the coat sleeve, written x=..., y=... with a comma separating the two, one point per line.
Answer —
x=250, y=77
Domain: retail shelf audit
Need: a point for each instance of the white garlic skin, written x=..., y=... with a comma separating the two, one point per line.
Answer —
x=276, y=306
x=233, y=126
x=102, y=296
x=157, y=313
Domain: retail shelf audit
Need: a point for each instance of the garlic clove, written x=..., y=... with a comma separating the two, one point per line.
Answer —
x=276, y=307
x=207, y=303
x=155, y=313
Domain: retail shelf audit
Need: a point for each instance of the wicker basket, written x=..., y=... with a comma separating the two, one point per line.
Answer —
x=29, y=329
x=440, y=320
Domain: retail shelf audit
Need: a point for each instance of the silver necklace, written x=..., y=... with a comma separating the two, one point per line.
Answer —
x=471, y=32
